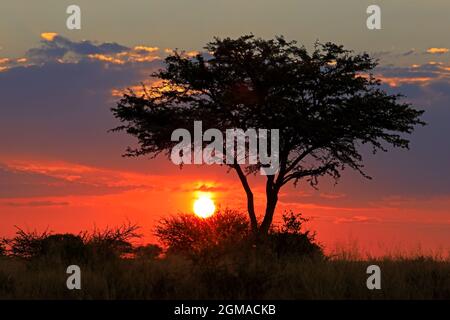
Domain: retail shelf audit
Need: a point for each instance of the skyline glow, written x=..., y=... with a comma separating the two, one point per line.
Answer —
x=60, y=168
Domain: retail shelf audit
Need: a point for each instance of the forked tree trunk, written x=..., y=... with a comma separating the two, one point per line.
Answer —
x=272, y=189
x=261, y=231
x=271, y=204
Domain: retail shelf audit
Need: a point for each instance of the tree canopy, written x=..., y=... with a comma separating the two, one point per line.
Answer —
x=325, y=103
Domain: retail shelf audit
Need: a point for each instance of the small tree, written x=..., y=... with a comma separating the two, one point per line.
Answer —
x=290, y=238
x=26, y=244
x=106, y=243
x=325, y=103
x=113, y=242
x=194, y=236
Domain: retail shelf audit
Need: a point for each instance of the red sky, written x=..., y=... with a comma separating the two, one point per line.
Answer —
x=98, y=197
x=61, y=169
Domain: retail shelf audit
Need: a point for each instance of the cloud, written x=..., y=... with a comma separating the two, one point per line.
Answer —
x=437, y=50
x=55, y=47
x=43, y=203
x=48, y=36
x=357, y=219
x=327, y=195
x=56, y=100
x=419, y=74
x=28, y=180
x=409, y=52
x=105, y=58
x=145, y=49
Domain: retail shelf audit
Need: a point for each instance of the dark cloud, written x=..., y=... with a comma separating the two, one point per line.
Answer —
x=58, y=47
x=408, y=53
x=357, y=219
x=434, y=71
x=23, y=184
x=62, y=110
x=37, y=204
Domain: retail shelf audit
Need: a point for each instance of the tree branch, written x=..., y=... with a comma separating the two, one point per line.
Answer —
x=305, y=173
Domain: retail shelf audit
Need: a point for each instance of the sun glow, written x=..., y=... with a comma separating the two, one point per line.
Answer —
x=204, y=206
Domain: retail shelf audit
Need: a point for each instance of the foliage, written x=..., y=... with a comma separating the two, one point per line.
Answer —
x=148, y=251
x=100, y=244
x=326, y=103
x=26, y=244
x=113, y=242
x=228, y=232
x=288, y=239
x=192, y=235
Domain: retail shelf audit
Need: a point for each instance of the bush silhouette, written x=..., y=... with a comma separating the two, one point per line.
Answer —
x=289, y=239
x=67, y=247
x=99, y=245
x=194, y=236
x=228, y=232
x=149, y=251
x=112, y=242
x=26, y=244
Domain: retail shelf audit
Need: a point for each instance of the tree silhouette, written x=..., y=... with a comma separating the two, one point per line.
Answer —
x=325, y=103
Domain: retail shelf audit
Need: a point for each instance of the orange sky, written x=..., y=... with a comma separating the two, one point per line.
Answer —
x=61, y=169
x=391, y=224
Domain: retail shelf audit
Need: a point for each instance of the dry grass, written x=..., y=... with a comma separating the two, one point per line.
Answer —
x=241, y=276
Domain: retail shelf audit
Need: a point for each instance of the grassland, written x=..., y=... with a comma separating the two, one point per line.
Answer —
x=249, y=277
x=214, y=258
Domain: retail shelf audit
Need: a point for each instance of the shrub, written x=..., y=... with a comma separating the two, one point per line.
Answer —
x=26, y=244
x=66, y=247
x=289, y=239
x=191, y=235
x=112, y=242
x=100, y=245
x=227, y=232
x=149, y=251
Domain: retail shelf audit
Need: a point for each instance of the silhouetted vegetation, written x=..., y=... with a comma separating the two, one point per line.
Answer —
x=228, y=232
x=288, y=239
x=148, y=251
x=99, y=245
x=193, y=236
x=325, y=103
x=214, y=258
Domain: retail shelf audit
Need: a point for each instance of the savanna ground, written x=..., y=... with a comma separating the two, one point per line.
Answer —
x=209, y=259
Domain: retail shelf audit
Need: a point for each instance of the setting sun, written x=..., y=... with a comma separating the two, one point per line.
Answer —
x=204, y=207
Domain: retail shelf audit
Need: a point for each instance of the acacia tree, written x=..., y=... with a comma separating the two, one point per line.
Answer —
x=325, y=104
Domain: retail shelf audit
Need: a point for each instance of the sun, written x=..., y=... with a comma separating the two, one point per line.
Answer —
x=204, y=207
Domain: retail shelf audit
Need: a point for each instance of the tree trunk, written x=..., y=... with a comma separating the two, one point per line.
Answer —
x=272, y=189
x=251, y=212
x=250, y=200
x=272, y=199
